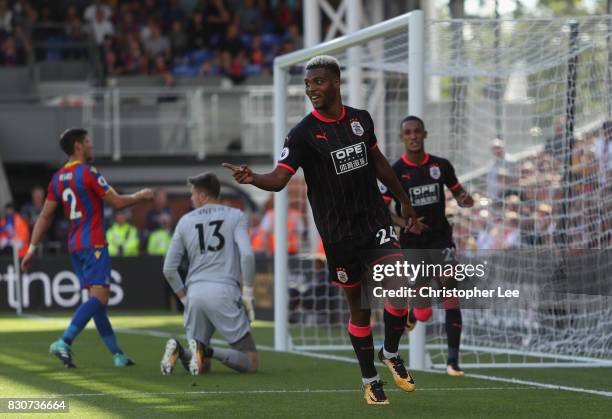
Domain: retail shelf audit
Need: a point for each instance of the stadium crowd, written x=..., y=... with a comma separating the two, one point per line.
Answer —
x=233, y=38
x=524, y=203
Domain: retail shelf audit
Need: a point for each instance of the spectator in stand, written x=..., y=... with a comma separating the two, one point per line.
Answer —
x=135, y=58
x=19, y=12
x=122, y=237
x=511, y=238
x=157, y=245
x=73, y=28
x=294, y=35
x=147, y=30
x=112, y=66
x=603, y=153
x=160, y=67
x=256, y=52
x=26, y=24
x=496, y=181
x=157, y=44
x=101, y=27
x=248, y=18
x=13, y=229
x=215, y=66
x=232, y=42
x=555, y=145
x=583, y=167
x=127, y=26
x=233, y=67
x=159, y=239
x=197, y=33
x=264, y=240
x=544, y=226
x=160, y=208
x=178, y=40
x=10, y=56
x=98, y=6
x=283, y=16
x=6, y=19
x=149, y=9
x=217, y=17
x=172, y=11
x=31, y=210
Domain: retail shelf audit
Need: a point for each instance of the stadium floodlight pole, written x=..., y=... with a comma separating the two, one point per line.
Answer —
x=281, y=256
x=416, y=106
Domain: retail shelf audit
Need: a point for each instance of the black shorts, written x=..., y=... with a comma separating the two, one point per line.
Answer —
x=432, y=249
x=441, y=240
x=349, y=260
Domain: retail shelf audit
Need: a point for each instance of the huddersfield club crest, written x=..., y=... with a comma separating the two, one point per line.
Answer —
x=434, y=172
x=342, y=275
x=357, y=128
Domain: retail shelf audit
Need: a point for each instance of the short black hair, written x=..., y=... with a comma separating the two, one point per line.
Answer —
x=324, y=61
x=71, y=136
x=206, y=182
x=412, y=118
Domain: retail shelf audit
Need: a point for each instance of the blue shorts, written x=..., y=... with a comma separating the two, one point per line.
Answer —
x=92, y=266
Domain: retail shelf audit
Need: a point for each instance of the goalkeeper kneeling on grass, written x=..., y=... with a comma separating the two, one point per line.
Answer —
x=216, y=240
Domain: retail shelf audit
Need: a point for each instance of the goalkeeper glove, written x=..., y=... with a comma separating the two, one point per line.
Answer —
x=248, y=300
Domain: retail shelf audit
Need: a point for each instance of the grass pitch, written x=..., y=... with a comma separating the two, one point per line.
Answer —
x=288, y=385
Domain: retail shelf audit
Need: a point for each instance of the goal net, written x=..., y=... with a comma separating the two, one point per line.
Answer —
x=538, y=91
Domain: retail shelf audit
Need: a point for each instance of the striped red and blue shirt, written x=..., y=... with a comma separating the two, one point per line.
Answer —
x=80, y=188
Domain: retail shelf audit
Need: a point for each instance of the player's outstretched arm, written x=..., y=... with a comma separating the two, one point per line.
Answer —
x=42, y=224
x=463, y=198
x=385, y=174
x=118, y=201
x=273, y=181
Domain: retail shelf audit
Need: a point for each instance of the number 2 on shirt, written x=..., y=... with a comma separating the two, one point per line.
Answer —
x=69, y=196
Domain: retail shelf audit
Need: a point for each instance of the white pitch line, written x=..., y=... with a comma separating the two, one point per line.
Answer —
x=247, y=392
x=167, y=335
x=478, y=376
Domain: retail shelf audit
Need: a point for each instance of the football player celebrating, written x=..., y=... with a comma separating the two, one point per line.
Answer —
x=423, y=177
x=336, y=147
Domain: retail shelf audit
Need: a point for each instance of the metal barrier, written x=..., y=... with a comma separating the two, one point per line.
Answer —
x=181, y=121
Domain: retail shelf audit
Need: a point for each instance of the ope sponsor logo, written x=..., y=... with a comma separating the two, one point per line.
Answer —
x=62, y=290
x=424, y=195
x=350, y=158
